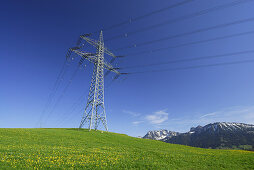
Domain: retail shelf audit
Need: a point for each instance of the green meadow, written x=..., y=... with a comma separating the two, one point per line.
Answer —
x=81, y=149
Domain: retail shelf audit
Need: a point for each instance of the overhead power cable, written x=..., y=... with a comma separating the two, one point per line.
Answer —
x=73, y=108
x=63, y=93
x=191, y=59
x=182, y=18
x=134, y=19
x=195, y=67
x=55, y=88
x=188, y=33
x=60, y=77
x=191, y=43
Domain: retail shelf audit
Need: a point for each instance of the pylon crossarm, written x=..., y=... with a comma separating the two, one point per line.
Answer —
x=92, y=58
x=109, y=53
x=90, y=41
x=89, y=56
x=109, y=67
x=96, y=44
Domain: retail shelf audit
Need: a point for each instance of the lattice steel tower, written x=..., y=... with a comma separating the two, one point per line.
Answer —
x=94, y=113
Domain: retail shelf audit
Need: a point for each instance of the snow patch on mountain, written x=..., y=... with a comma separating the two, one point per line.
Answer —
x=222, y=126
x=160, y=134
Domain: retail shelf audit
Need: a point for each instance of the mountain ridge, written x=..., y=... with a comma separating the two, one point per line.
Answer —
x=214, y=135
x=160, y=134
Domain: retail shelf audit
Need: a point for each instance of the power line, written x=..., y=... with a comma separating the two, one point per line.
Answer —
x=194, y=67
x=145, y=15
x=71, y=116
x=191, y=43
x=188, y=33
x=63, y=93
x=55, y=88
x=161, y=10
x=73, y=108
x=190, y=59
x=59, y=79
x=182, y=18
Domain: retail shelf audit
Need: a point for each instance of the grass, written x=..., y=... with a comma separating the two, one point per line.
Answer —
x=73, y=149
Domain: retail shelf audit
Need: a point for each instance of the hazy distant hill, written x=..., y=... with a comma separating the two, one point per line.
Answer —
x=215, y=135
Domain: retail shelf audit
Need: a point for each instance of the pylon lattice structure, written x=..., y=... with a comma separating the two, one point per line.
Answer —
x=94, y=113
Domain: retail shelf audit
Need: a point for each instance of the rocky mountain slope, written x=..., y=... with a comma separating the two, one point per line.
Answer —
x=214, y=135
x=160, y=134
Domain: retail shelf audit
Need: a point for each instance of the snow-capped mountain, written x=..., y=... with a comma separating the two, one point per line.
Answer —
x=213, y=135
x=160, y=134
x=223, y=126
x=217, y=135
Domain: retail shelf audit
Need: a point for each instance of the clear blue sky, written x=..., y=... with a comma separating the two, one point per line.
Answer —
x=35, y=36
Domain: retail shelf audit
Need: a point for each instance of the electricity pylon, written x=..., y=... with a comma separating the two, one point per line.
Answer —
x=95, y=111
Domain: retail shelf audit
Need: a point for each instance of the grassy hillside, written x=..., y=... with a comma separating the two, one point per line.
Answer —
x=70, y=148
